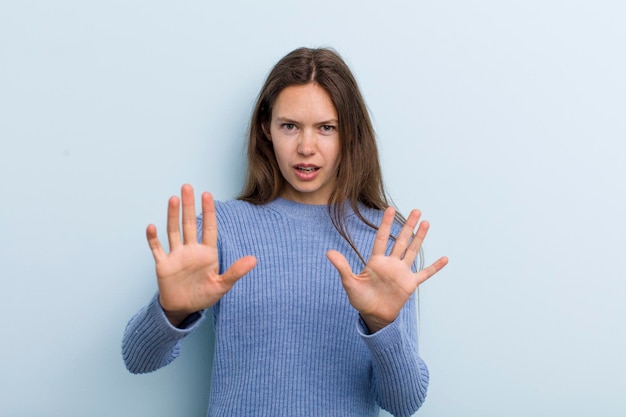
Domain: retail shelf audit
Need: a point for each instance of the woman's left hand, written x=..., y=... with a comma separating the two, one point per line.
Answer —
x=380, y=291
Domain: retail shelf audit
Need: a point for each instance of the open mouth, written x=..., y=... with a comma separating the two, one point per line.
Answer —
x=307, y=170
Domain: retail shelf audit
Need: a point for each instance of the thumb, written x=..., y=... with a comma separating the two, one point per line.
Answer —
x=340, y=263
x=238, y=269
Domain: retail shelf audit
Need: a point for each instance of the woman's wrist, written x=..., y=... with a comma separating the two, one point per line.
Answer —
x=373, y=323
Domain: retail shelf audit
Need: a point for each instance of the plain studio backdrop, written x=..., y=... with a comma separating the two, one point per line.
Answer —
x=503, y=121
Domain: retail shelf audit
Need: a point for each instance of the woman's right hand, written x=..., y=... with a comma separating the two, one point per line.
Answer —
x=188, y=276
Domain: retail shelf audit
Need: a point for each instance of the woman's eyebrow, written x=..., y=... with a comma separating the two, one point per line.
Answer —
x=284, y=119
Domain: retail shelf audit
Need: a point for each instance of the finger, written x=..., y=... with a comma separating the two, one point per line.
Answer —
x=209, y=221
x=402, y=241
x=190, y=232
x=173, y=226
x=382, y=235
x=238, y=269
x=340, y=263
x=432, y=269
x=416, y=243
x=154, y=243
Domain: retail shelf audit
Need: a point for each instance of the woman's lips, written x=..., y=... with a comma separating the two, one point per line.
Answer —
x=306, y=172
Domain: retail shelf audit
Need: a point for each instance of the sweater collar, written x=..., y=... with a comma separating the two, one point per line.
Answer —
x=301, y=210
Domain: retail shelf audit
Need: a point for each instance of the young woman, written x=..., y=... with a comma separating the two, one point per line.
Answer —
x=309, y=274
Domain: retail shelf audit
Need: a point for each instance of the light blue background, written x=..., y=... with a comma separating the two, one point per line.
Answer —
x=502, y=120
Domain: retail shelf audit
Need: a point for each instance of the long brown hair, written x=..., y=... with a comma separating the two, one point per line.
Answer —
x=359, y=177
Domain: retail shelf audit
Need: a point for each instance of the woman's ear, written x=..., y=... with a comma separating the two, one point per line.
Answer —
x=266, y=131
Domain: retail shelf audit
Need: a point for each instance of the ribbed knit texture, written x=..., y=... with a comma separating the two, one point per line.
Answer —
x=288, y=342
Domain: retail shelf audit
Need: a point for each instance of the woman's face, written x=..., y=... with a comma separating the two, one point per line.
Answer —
x=304, y=133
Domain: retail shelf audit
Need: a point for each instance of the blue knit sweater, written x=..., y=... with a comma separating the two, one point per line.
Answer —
x=288, y=342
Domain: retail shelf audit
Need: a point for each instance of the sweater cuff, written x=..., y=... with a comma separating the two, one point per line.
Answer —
x=383, y=339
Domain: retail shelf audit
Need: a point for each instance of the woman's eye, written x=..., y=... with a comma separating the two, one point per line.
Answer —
x=289, y=126
x=328, y=128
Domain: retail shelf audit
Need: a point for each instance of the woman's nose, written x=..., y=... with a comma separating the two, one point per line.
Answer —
x=308, y=143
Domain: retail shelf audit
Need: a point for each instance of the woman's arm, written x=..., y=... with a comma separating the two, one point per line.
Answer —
x=383, y=293
x=189, y=282
x=151, y=341
x=400, y=376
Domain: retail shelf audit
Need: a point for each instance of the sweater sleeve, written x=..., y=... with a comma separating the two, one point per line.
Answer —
x=150, y=341
x=400, y=376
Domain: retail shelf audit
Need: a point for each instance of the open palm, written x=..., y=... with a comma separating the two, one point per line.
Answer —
x=383, y=287
x=188, y=276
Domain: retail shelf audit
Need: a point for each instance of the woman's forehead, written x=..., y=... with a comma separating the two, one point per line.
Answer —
x=304, y=103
